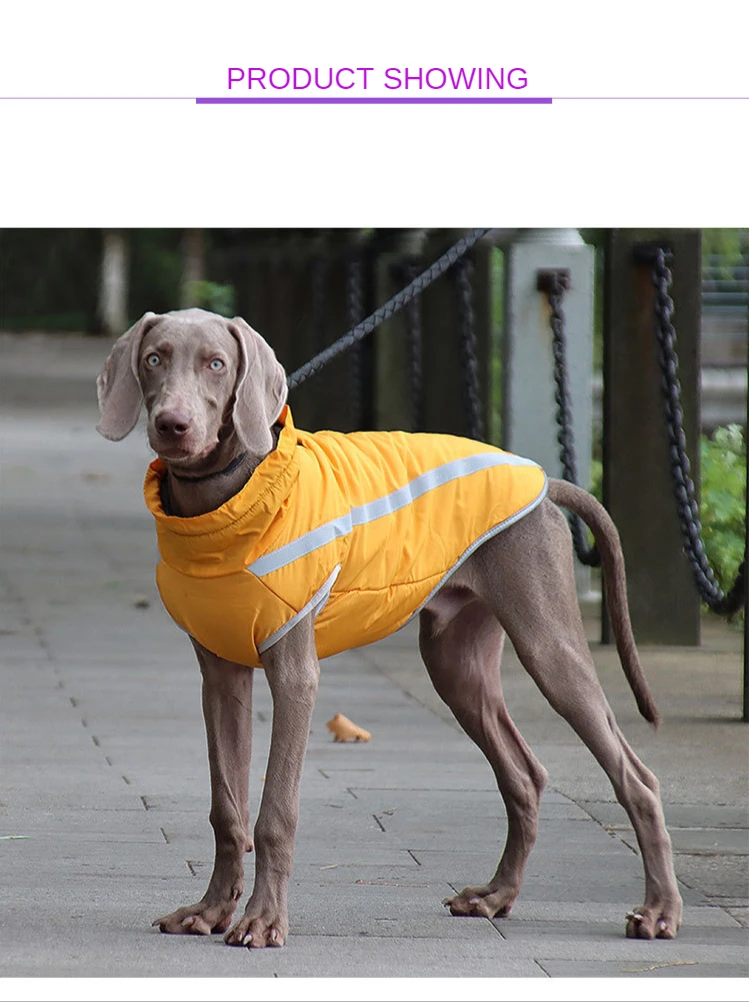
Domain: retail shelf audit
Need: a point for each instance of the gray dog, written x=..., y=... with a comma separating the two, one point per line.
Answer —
x=279, y=547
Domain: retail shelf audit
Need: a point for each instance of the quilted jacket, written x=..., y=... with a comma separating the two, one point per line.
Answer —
x=361, y=528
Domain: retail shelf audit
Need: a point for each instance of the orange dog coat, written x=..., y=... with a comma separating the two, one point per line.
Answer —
x=361, y=529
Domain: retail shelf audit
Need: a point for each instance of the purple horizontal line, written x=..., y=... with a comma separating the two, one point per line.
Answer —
x=373, y=100
x=90, y=97
x=366, y=100
x=695, y=97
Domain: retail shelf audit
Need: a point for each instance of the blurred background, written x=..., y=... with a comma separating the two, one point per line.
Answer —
x=472, y=355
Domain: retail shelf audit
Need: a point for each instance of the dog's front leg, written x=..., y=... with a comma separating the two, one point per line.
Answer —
x=293, y=672
x=227, y=710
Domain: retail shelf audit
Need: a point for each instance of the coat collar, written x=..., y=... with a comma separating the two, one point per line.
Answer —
x=240, y=523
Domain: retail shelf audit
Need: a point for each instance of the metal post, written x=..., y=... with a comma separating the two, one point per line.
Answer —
x=637, y=489
x=528, y=409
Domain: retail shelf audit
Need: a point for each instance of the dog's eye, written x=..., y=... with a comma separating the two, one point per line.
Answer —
x=152, y=359
x=216, y=364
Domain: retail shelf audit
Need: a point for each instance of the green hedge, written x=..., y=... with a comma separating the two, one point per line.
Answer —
x=723, y=501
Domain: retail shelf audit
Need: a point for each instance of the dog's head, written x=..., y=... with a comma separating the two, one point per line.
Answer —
x=200, y=377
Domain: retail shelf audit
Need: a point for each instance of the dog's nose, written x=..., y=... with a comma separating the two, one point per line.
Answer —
x=173, y=424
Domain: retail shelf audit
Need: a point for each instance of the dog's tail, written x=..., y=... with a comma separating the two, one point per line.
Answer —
x=595, y=515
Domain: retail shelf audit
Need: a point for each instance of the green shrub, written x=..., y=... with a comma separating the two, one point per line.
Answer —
x=213, y=296
x=723, y=500
x=722, y=508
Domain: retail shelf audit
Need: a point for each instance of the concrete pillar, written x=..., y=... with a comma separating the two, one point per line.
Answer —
x=529, y=425
x=113, y=283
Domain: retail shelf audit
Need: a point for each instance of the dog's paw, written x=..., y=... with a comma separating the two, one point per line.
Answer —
x=654, y=922
x=198, y=920
x=481, y=901
x=259, y=927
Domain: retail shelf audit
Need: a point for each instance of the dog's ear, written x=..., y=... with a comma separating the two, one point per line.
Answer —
x=117, y=385
x=261, y=390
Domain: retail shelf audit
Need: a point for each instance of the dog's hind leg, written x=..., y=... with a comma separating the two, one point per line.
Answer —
x=461, y=644
x=526, y=577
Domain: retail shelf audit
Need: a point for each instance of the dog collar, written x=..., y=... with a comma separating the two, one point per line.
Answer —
x=212, y=476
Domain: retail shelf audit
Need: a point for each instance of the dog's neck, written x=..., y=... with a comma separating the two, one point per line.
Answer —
x=190, y=491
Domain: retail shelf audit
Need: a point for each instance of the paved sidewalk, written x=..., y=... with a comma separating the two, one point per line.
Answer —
x=104, y=789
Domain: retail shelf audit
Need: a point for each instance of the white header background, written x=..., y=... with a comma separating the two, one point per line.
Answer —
x=174, y=163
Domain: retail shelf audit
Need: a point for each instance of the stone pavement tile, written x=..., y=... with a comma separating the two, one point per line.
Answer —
x=720, y=876
x=118, y=948
x=325, y=829
x=188, y=803
x=371, y=956
x=19, y=645
x=145, y=664
x=612, y=945
x=607, y=935
x=418, y=778
x=366, y=767
x=395, y=922
x=615, y=878
x=613, y=815
x=403, y=873
x=636, y=969
x=341, y=853
x=711, y=841
x=36, y=863
x=440, y=810
x=565, y=838
x=379, y=895
x=571, y=914
x=98, y=901
x=558, y=884
x=119, y=952
x=388, y=764
x=77, y=793
x=106, y=826
x=321, y=863
x=420, y=839
x=102, y=928
x=453, y=859
x=555, y=807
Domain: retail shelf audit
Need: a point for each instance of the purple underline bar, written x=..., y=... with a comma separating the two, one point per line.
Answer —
x=619, y=97
x=373, y=100
x=94, y=97
x=365, y=100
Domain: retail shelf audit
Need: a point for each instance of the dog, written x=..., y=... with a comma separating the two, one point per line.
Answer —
x=279, y=547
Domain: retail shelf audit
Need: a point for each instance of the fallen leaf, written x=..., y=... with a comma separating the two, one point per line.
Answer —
x=346, y=730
